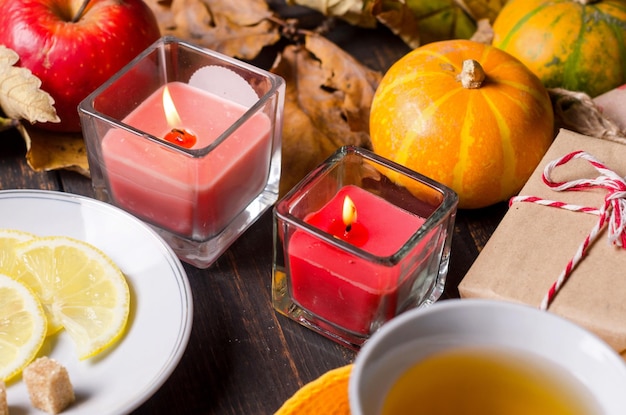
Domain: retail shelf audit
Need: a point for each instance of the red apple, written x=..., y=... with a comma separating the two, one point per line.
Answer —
x=73, y=58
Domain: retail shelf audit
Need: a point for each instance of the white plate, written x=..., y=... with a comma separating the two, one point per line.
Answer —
x=161, y=303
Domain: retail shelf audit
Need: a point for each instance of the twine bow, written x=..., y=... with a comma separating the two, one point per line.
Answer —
x=612, y=212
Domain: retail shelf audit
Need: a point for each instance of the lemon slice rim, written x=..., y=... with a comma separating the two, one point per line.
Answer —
x=98, y=344
x=30, y=349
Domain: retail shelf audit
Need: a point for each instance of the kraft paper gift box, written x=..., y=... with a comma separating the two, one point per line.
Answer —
x=534, y=243
x=613, y=105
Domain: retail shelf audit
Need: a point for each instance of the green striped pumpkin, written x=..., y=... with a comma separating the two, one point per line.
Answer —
x=578, y=45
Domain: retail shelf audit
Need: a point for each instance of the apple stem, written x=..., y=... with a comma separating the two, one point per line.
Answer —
x=79, y=14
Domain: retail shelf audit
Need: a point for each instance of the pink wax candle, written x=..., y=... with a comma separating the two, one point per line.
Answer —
x=346, y=289
x=195, y=197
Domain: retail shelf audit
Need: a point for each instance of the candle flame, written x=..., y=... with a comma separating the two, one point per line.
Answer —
x=171, y=115
x=349, y=212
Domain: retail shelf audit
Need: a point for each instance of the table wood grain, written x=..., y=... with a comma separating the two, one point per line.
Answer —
x=243, y=357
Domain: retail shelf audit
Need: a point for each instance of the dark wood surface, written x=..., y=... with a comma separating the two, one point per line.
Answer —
x=242, y=357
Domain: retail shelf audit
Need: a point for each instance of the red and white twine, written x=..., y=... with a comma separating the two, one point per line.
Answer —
x=612, y=212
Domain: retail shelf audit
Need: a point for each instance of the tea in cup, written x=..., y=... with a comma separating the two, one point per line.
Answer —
x=487, y=357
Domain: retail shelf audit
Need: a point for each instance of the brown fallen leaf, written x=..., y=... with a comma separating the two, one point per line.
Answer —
x=415, y=21
x=400, y=19
x=482, y=9
x=394, y=14
x=229, y=27
x=46, y=150
x=327, y=104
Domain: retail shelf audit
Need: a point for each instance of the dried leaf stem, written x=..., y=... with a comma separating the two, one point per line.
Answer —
x=7, y=123
x=291, y=31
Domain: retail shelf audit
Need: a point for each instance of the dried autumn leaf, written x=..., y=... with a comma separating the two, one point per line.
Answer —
x=484, y=32
x=225, y=26
x=327, y=104
x=399, y=18
x=483, y=9
x=355, y=12
x=416, y=22
x=441, y=19
x=20, y=96
x=46, y=150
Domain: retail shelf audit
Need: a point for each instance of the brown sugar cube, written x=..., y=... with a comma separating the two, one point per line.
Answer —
x=48, y=385
x=4, y=407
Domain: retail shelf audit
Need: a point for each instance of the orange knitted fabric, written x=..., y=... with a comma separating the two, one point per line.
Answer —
x=326, y=395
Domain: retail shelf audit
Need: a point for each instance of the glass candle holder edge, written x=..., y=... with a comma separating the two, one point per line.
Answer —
x=438, y=227
x=198, y=249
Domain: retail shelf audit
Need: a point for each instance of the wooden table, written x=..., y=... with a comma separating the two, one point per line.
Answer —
x=242, y=357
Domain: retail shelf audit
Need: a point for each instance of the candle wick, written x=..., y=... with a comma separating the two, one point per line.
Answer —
x=181, y=137
x=348, y=227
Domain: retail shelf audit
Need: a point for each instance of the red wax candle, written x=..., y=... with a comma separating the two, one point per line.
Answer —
x=345, y=289
x=194, y=197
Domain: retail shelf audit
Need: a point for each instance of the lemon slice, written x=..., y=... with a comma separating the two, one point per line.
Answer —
x=9, y=238
x=80, y=288
x=22, y=327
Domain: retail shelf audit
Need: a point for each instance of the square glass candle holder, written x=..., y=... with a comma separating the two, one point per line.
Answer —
x=188, y=140
x=346, y=277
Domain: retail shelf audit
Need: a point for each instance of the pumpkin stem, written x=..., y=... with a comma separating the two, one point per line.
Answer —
x=586, y=2
x=472, y=75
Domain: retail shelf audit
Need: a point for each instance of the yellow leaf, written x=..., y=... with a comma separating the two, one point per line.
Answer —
x=20, y=96
x=399, y=18
x=47, y=150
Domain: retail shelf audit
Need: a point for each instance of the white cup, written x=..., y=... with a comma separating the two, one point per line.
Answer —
x=515, y=329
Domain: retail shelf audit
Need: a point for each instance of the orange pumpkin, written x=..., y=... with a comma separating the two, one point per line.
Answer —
x=483, y=138
x=573, y=44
